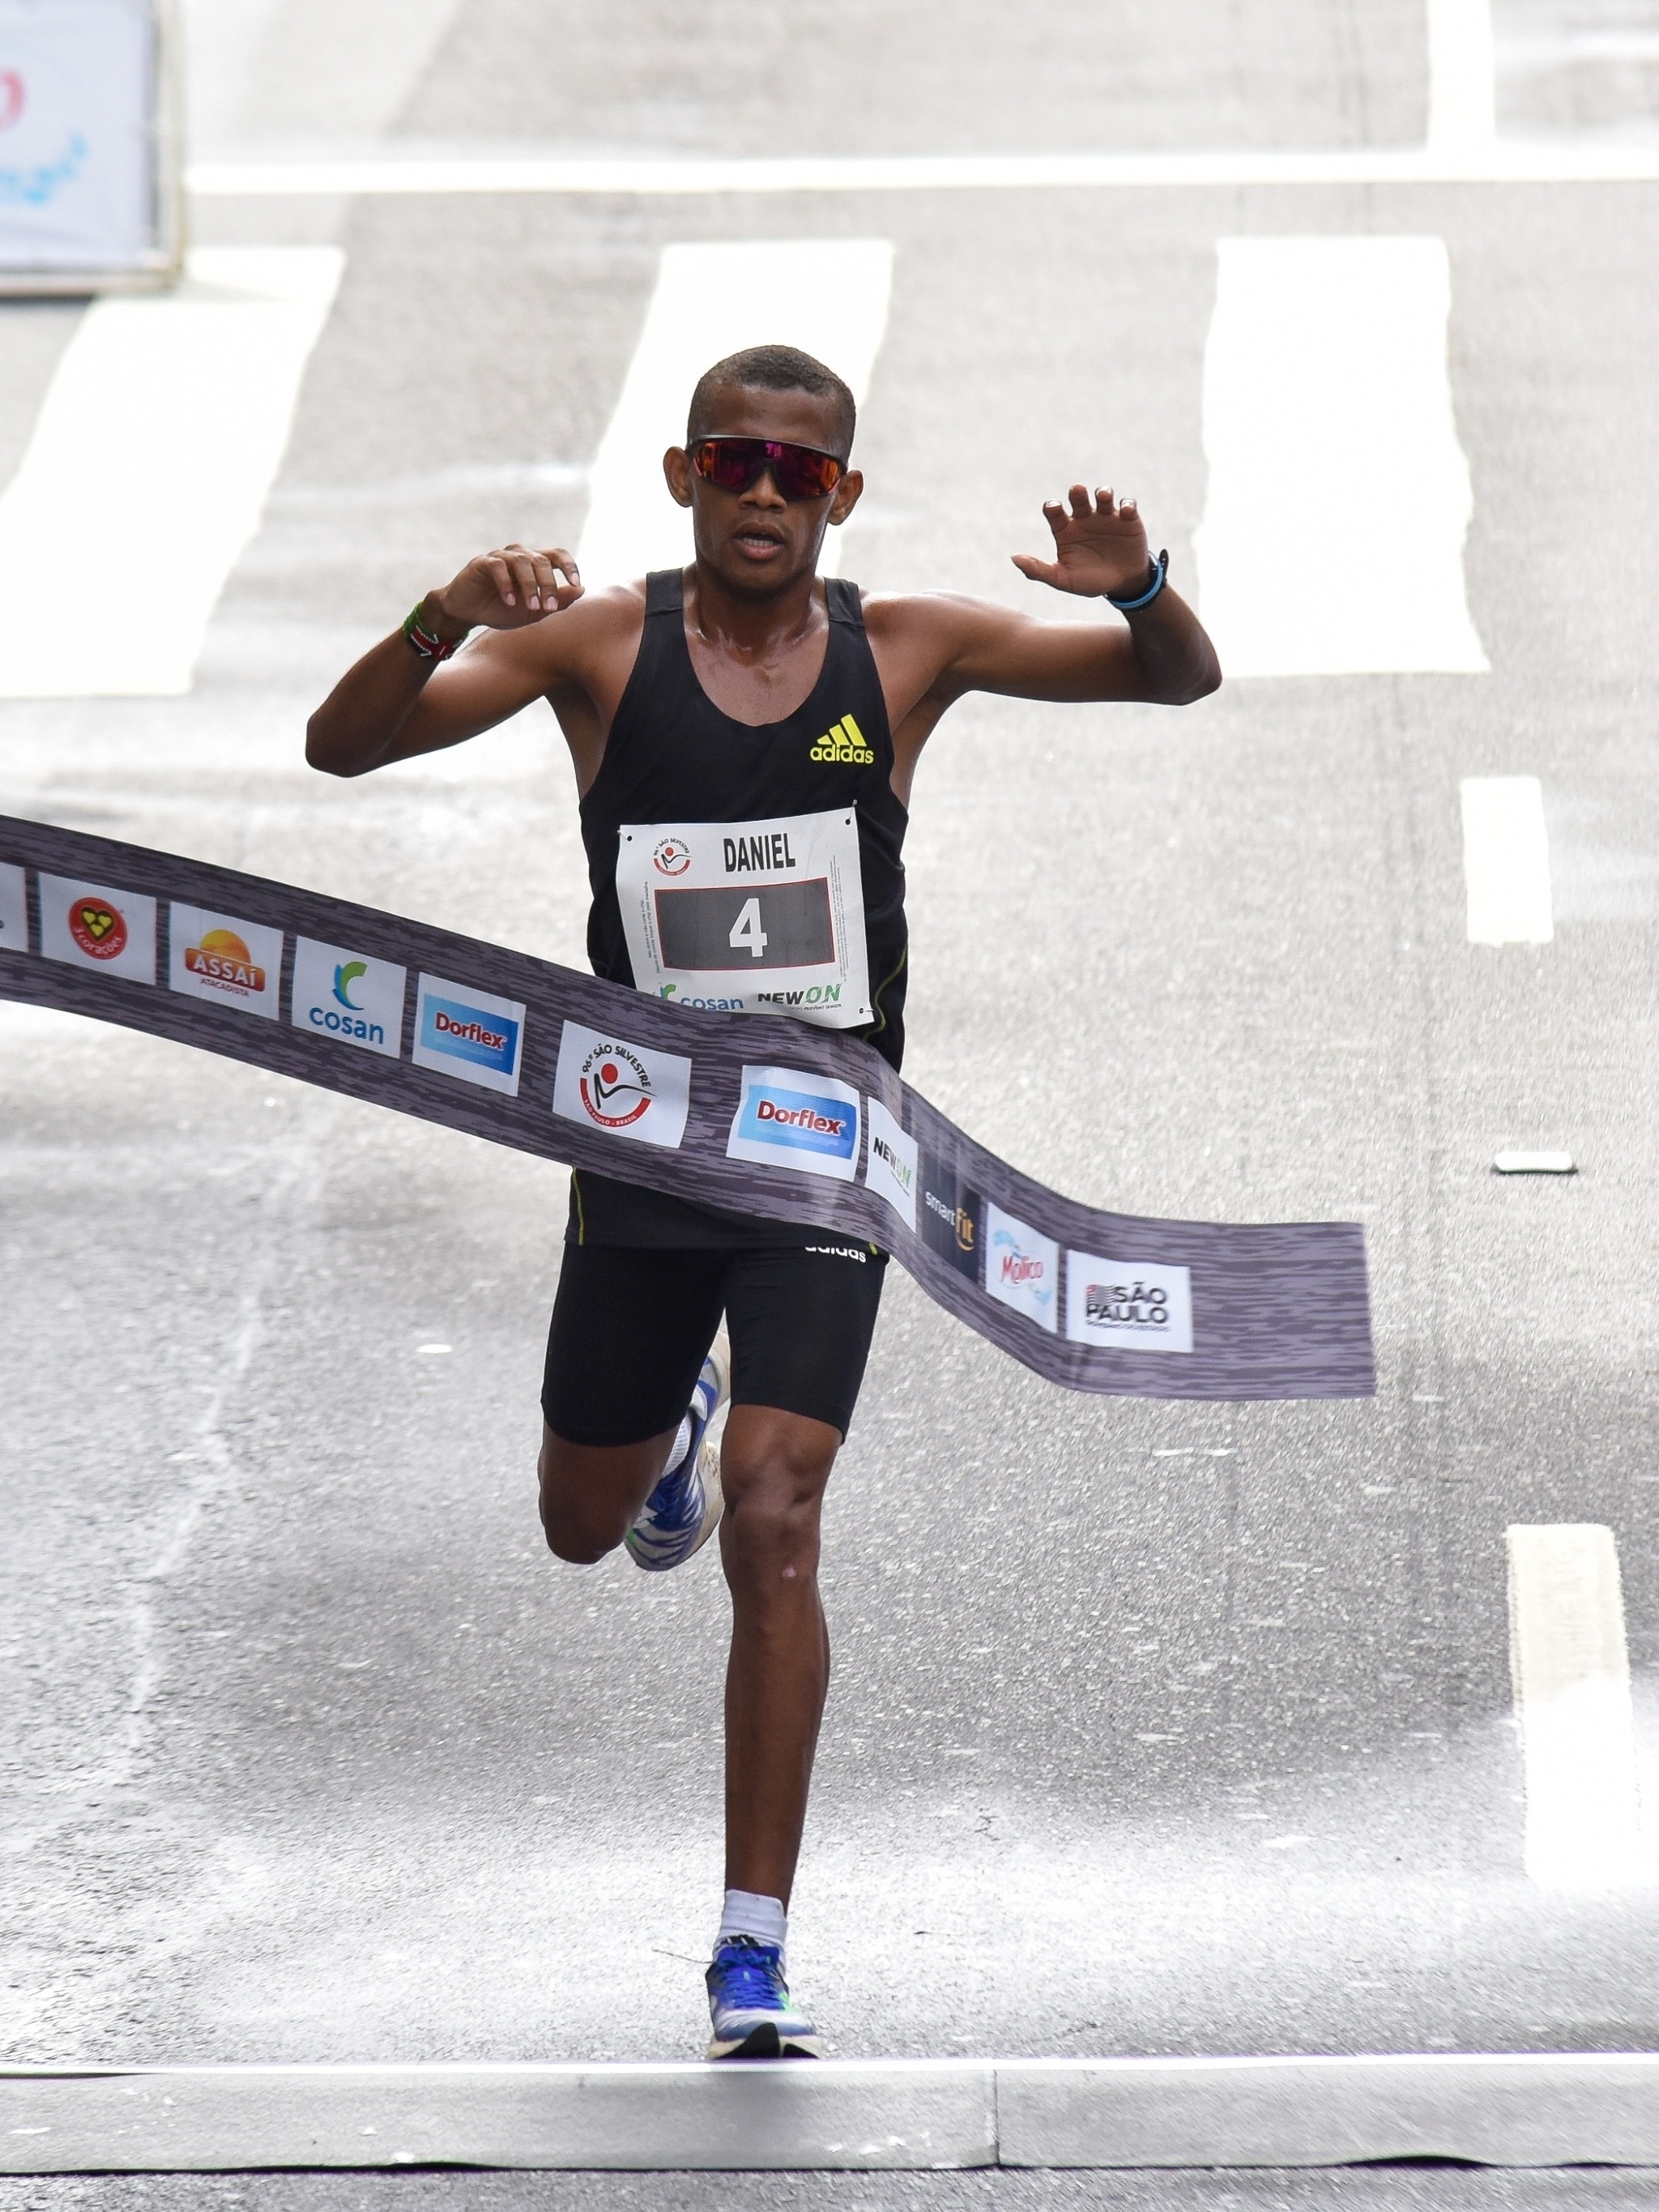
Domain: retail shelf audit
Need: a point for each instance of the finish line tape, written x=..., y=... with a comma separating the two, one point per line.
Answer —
x=760, y=1113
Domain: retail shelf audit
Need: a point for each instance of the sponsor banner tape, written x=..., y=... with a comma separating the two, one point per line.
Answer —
x=767, y=1116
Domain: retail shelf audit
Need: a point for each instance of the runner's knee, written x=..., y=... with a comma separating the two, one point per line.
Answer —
x=581, y=1525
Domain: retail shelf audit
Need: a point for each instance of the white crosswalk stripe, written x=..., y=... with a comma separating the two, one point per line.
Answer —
x=1506, y=860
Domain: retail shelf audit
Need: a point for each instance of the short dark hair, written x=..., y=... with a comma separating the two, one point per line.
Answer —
x=777, y=368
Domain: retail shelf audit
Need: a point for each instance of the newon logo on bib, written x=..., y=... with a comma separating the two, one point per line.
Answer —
x=226, y=962
x=1022, y=1268
x=749, y=917
x=1129, y=1305
x=348, y=997
x=459, y=1030
x=788, y=1119
x=93, y=925
x=603, y=1083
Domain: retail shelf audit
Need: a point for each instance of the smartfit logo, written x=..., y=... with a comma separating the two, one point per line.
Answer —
x=791, y=1119
x=949, y=1217
x=468, y=1033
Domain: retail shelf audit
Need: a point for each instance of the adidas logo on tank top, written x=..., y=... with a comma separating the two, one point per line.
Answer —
x=845, y=744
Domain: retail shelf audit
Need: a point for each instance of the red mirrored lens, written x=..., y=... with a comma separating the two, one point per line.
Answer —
x=798, y=471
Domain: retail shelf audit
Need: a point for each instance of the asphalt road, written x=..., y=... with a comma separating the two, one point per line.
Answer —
x=1154, y=1728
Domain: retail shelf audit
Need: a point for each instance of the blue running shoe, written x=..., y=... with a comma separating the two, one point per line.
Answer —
x=749, y=2004
x=683, y=1510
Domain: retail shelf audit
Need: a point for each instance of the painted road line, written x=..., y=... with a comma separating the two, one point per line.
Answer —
x=1518, y=162
x=1557, y=1164
x=1462, y=94
x=1572, y=1705
x=827, y=295
x=1332, y=542
x=1506, y=860
x=1524, y=2110
x=158, y=439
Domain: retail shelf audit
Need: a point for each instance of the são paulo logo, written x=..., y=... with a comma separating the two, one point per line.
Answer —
x=99, y=928
x=614, y=1086
x=223, y=961
x=672, y=857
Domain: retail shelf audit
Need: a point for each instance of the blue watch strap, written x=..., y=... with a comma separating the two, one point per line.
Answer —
x=1160, y=577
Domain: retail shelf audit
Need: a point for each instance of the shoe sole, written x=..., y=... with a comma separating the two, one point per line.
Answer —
x=765, y=2042
x=709, y=1465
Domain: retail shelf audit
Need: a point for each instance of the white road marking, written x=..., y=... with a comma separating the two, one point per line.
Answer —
x=1506, y=860
x=1572, y=1705
x=1462, y=110
x=1521, y=161
x=1559, y=1164
x=827, y=295
x=153, y=450
x=1332, y=542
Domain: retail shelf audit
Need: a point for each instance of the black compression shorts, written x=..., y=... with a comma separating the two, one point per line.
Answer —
x=632, y=1326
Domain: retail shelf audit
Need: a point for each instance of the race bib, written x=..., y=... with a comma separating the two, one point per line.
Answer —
x=749, y=917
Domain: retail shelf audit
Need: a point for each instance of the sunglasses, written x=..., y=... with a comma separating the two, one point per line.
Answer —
x=798, y=471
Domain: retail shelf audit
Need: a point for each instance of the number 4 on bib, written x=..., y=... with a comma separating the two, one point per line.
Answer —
x=747, y=935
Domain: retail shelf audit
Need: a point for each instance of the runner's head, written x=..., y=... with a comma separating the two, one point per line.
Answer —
x=759, y=520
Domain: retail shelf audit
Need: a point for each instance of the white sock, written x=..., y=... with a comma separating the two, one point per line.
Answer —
x=748, y=1914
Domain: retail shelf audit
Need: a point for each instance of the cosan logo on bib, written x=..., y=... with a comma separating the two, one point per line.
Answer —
x=1022, y=1268
x=627, y=1090
x=792, y=1120
x=459, y=1030
x=1129, y=1305
x=749, y=917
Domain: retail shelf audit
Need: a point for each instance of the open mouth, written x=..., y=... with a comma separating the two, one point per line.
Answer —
x=759, y=544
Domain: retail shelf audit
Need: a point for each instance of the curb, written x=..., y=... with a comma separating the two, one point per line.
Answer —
x=1496, y=2109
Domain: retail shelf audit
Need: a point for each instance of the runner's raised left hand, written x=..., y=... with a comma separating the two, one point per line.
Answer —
x=1100, y=546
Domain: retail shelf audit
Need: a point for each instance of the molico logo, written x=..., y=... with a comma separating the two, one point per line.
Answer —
x=92, y=925
x=890, y=1168
x=794, y=1120
x=1127, y=1305
x=468, y=1033
x=348, y=997
x=216, y=956
x=623, y=1089
x=1022, y=1268
x=949, y=1216
x=845, y=742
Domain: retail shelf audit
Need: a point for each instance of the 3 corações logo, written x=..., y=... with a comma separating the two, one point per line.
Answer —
x=99, y=928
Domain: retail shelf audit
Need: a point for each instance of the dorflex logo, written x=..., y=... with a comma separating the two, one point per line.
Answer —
x=217, y=957
x=1022, y=1268
x=472, y=1034
x=95, y=925
x=1129, y=1305
x=792, y=1120
x=13, y=909
x=891, y=1164
x=846, y=743
x=602, y=1083
x=949, y=1216
x=348, y=997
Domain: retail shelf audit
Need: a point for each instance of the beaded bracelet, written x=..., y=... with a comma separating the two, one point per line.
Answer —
x=428, y=645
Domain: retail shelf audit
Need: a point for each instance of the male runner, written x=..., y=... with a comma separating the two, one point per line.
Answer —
x=743, y=690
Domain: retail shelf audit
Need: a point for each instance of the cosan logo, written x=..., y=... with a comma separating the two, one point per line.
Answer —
x=223, y=961
x=709, y=1006
x=349, y=996
x=764, y=853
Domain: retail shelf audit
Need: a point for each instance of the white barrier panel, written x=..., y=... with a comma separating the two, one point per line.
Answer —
x=87, y=153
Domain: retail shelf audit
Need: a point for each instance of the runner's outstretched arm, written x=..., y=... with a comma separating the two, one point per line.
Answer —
x=394, y=703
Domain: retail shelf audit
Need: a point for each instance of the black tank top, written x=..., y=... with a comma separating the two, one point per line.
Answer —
x=672, y=757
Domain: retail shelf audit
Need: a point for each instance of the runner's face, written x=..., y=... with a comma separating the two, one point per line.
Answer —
x=756, y=542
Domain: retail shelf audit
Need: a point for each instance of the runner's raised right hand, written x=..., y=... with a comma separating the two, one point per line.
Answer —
x=504, y=590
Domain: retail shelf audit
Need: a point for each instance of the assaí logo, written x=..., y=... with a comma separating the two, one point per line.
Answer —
x=348, y=996
x=626, y=1089
x=223, y=961
x=1022, y=1267
x=790, y=1119
x=219, y=957
x=472, y=1034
